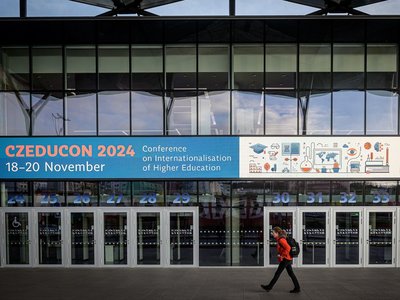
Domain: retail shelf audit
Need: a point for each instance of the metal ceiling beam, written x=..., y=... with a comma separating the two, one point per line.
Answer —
x=133, y=8
x=232, y=7
x=116, y=7
x=22, y=8
x=336, y=6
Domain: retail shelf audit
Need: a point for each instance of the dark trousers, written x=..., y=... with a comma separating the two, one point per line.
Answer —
x=285, y=264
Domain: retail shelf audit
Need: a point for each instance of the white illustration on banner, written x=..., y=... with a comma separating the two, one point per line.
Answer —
x=332, y=156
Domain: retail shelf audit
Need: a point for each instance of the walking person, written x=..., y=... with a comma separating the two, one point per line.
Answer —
x=285, y=260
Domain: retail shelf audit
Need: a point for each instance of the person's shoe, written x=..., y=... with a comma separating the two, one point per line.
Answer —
x=295, y=291
x=266, y=287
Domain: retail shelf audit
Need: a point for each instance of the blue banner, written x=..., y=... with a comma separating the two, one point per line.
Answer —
x=119, y=158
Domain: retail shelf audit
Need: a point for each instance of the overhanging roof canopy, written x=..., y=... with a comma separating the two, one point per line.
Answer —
x=336, y=6
x=127, y=6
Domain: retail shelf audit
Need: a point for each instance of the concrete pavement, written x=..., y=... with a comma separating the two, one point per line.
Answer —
x=198, y=283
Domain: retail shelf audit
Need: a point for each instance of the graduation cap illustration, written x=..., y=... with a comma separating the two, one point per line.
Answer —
x=258, y=148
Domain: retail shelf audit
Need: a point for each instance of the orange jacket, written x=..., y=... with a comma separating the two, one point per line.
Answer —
x=283, y=249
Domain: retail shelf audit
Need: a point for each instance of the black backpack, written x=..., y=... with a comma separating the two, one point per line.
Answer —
x=294, y=245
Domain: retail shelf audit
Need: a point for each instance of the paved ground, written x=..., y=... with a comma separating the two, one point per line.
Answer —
x=202, y=284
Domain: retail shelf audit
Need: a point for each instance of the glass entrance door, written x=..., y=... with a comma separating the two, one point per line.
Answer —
x=347, y=237
x=314, y=238
x=283, y=218
x=380, y=238
x=149, y=239
x=49, y=237
x=115, y=237
x=17, y=238
x=166, y=236
x=82, y=241
x=182, y=232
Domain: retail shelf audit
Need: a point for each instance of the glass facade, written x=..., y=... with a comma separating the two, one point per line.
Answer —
x=210, y=196
x=204, y=89
x=80, y=68
x=14, y=68
x=315, y=66
x=225, y=80
x=147, y=67
x=47, y=68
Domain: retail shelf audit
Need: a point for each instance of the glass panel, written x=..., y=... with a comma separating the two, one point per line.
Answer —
x=147, y=68
x=82, y=193
x=347, y=238
x=14, y=113
x=115, y=193
x=280, y=66
x=180, y=110
x=181, y=193
x=214, y=113
x=214, y=193
x=283, y=220
x=16, y=193
x=14, y=68
x=113, y=67
x=148, y=193
x=80, y=68
x=281, y=193
x=314, y=238
x=49, y=193
x=50, y=240
x=348, y=113
x=148, y=238
x=380, y=193
x=213, y=67
x=314, y=193
x=113, y=113
x=248, y=67
x=248, y=193
x=214, y=235
x=315, y=66
x=281, y=113
x=80, y=109
x=82, y=238
x=115, y=239
x=147, y=113
x=214, y=202
x=345, y=193
x=180, y=67
x=47, y=68
x=382, y=66
x=247, y=236
x=248, y=113
x=382, y=112
x=181, y=238
x=315, y=113
x=47, y=114
x=380, y=235
x=348, y=66
x=17, y=238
